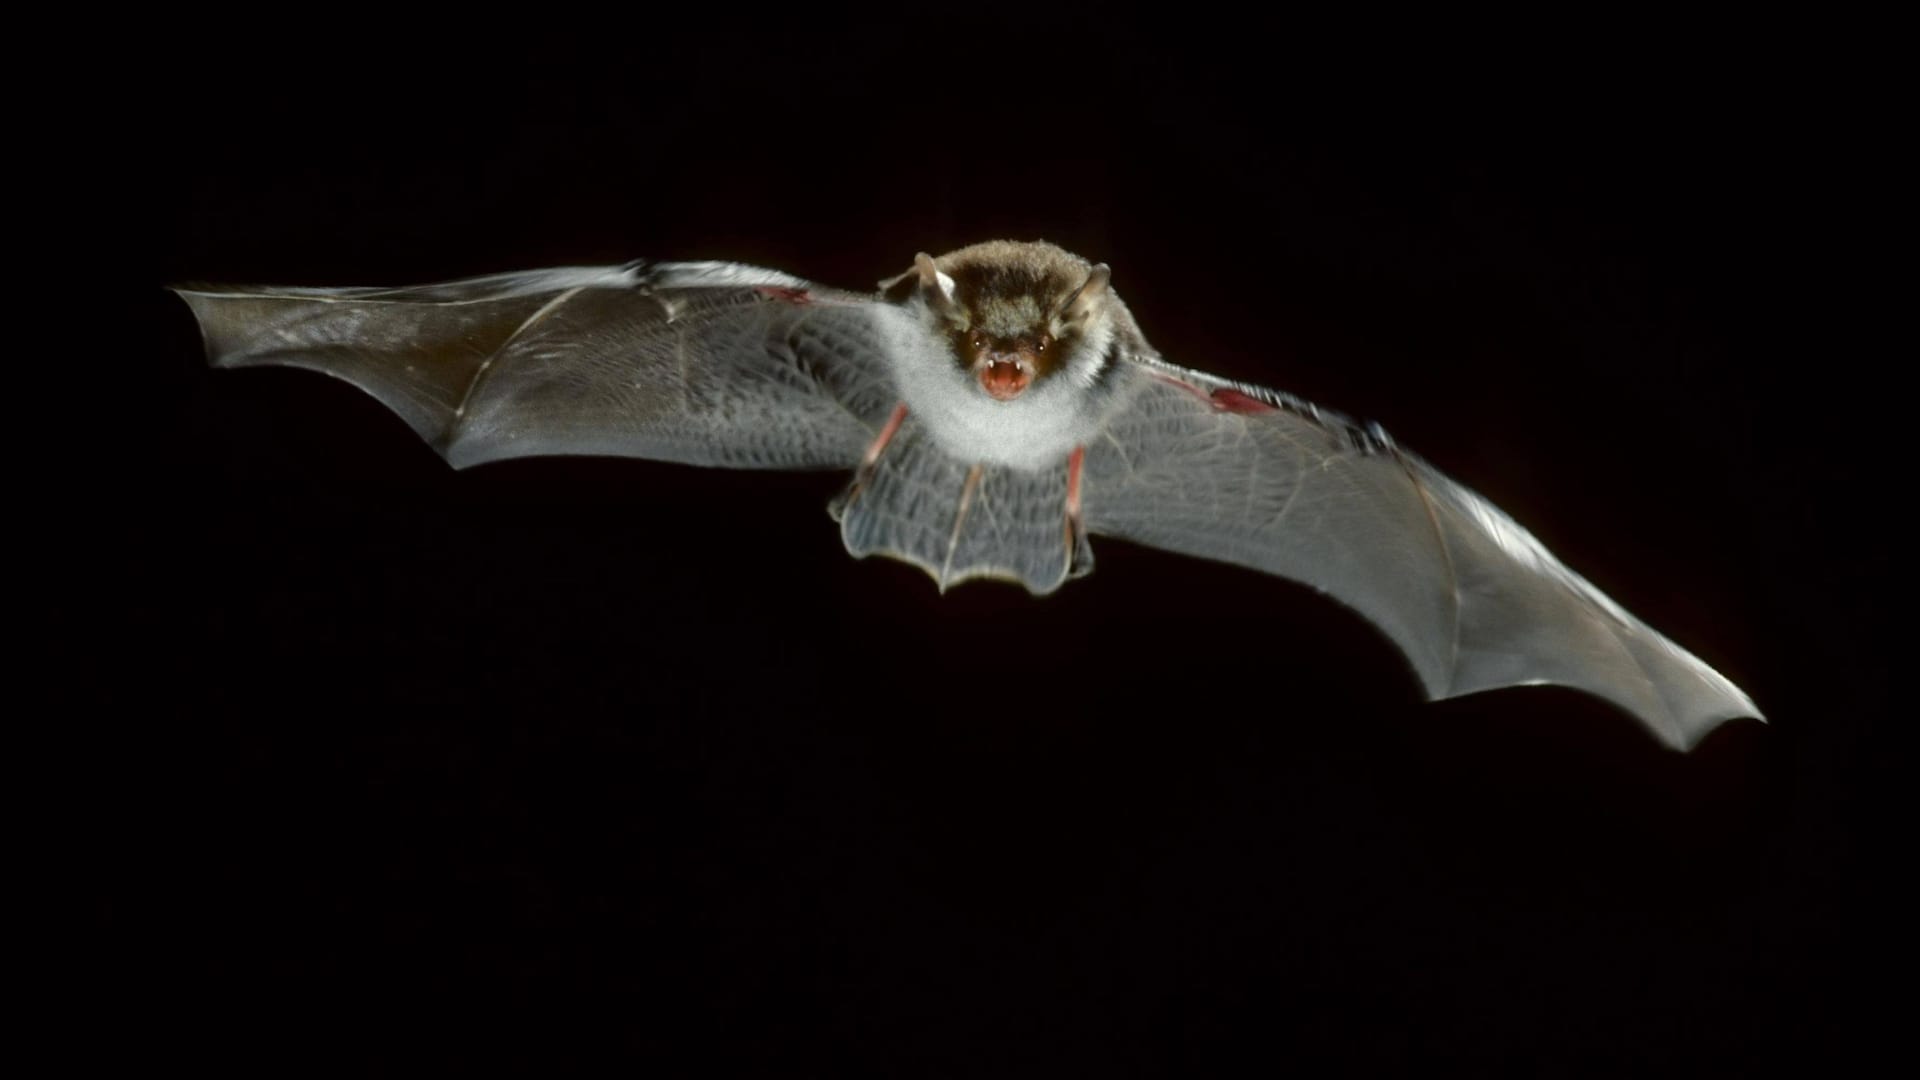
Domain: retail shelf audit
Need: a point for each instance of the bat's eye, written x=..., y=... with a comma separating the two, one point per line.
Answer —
x=976, y=340
x=1042, y=344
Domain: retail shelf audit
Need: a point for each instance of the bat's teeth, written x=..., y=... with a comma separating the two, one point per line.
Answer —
x=1005, y=379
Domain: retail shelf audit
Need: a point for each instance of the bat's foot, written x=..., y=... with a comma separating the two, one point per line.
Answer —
x=1079, y=552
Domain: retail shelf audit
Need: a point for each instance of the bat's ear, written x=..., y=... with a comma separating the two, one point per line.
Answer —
x=925, y=279
x=1086, y=299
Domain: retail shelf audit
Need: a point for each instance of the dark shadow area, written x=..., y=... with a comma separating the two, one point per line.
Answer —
x=567, y=764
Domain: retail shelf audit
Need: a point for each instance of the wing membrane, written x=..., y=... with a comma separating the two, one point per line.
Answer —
x=709, y=364
x=1205, y=467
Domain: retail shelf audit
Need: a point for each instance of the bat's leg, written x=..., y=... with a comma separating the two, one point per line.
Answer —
x=872, y=457
x=880, y=442
x=1079, y=554
x=868, y=462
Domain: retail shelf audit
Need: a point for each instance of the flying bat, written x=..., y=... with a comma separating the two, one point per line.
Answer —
x=996, y=406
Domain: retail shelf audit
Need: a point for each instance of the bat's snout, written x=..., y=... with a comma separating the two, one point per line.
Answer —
x=1003, y=375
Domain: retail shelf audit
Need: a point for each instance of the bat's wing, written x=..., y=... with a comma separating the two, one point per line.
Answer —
x=1195, y=464
x=705, y=363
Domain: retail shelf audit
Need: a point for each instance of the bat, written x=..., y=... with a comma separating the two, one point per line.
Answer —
x=995, y=407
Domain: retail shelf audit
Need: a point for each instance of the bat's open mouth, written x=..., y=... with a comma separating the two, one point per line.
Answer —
x=1005, y=376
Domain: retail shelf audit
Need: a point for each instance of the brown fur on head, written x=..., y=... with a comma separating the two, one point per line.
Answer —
x=1013, y=309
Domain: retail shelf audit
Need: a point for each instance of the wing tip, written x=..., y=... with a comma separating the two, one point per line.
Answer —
x=195, y=295
x=1723, y=702
x=1690, y=736
x=1734, y=705
x=1670, y=729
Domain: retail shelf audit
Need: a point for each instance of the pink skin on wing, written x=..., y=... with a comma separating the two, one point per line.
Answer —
x=1222, y=398
x=782, y=292
x=1236, y=402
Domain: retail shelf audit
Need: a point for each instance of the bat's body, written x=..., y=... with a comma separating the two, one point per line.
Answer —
x=996, y=405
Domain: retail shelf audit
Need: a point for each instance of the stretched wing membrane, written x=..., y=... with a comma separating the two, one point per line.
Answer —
x=704, y=363
x=1201, y=466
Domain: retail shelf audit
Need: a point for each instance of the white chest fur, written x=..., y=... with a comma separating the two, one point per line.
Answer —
x=1036, y=430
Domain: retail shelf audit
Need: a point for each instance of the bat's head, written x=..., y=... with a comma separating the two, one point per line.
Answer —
x=1014, y=314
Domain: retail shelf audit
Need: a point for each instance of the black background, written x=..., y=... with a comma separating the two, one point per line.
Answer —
x=571, y=762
